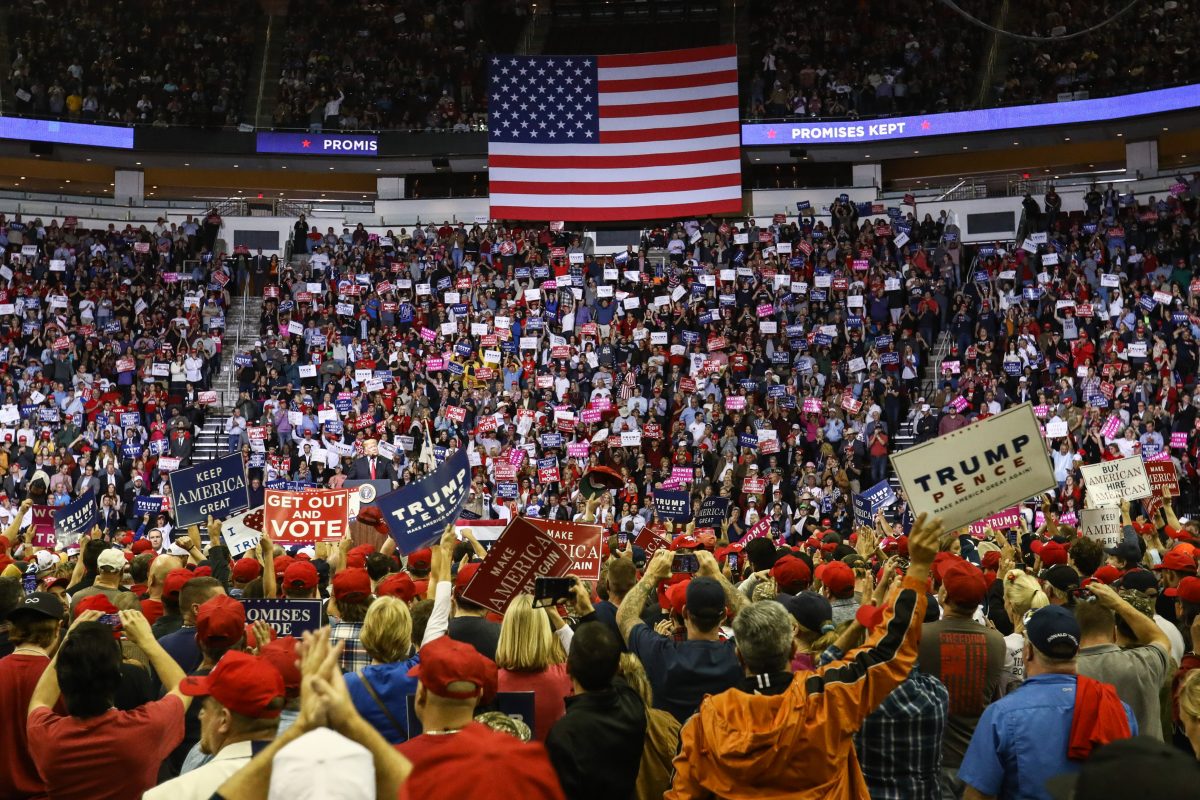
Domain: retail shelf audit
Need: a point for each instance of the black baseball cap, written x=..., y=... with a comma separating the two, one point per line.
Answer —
x=1126, y=551
x=1140, y=580
x=43, y=604
x=705, y=600
x=1140, y=765
x=1062, y=577
x=1052, y=630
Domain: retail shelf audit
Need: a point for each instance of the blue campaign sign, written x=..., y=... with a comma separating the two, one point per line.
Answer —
x=75, y=519
x=713, y=512
x=417, y=514
x=216, y=488
x=288, y=617
x=866, y=503
x=147, y=505
x=676, y=506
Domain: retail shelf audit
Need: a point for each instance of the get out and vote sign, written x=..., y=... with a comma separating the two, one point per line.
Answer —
x=975, y=471
x=306, y=517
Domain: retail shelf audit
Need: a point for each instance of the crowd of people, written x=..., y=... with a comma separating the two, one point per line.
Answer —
x=920, y=56
x=415, y=65
x=803, y=647
x=136, y=62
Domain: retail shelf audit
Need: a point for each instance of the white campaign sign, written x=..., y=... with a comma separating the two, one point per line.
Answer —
x=1102, y=525
x=1110, y=482
x=975, y=471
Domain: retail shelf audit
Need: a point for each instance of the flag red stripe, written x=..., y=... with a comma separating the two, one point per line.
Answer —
x=667, y=57
x=667, y=82
x=669, y=134
x=618, y=214
x=615, y=162
x=621, y=187
x=675, y=107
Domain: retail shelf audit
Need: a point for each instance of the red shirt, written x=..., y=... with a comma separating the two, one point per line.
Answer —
x=19, y=778
x=152, y=610
x=114, y=755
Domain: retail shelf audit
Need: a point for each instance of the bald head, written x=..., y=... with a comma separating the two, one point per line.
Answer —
x=158, y=573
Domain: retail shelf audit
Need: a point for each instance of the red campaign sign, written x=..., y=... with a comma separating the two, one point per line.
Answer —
x=1107, y=389
x=506, y=471
x=649, y=541
x=270, y=291
x=768, y=446
x=716, y=343
x=652, y=430
x=805, y=248
x=1162, y=473
x=589, y=329
x=1084, y=310
x=487, y=423
x=581, y=541
x=514, y=562
x=764, y=236
x=304, y=297
x=560, y=352
x=565, y=425
x=456, y=413
x=485, y=373
x=306, y=517
x=62, y=343
x=463, y=282
x=126, y=365
x=778, y=218
x=758, y=530
x=851, y=405
x=687, y=385
x=840, y=284
x=548, y=474
x=206, y=398
x=256, y=433
x=754, y=485
x=488, y=341
x=220, y=278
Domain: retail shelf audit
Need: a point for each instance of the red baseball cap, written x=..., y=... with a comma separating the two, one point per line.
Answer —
x=837, y=577
x=445, y=662
x=1188, y=590
x=791, y=574
x=220, y=620
x=141, y=546
x=174, y=582
x=356, y=558
x=1053, y=553
x=420, y=560
x=676, y=595
x=1178, y=561
x=281, y=653
x=246, y=570
x=398, y=584
x=458, y=772
x=465, y=573
x=242, y=683
x=96, y=602
x=300, y=575
x=351, y=585
x=991, y=559
x=964, y=583
x=1107, y=574
x=203, y=571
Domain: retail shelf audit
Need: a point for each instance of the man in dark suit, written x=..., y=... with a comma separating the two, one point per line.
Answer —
x=110, y=520
x=371, y=467
x=181, y=444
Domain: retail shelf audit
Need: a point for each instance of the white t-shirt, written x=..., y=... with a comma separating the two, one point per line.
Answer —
x=1013, y=672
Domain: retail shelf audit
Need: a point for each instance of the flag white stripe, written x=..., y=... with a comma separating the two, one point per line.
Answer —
x=615, y=149
x=667, y=70
x=576, y=175
x=668, y=120
x=668, y=95
x=617, y=200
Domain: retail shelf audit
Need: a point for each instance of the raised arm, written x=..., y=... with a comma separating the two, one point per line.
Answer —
x=629, y=613
x=169, y=673
x=709, y=568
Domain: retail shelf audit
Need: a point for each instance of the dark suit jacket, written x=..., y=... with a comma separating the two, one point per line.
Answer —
x=361, y=469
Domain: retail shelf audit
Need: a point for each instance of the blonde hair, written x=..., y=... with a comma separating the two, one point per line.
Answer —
x=1189, y=695
x=387, y=630
x=526, y=642
x=633, y=673
x=1023, y=593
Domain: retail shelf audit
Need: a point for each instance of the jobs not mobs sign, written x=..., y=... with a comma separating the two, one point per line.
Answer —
x=1007, y=464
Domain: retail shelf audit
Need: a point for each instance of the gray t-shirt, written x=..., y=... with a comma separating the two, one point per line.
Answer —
x=968, y=658
x=1138, y=673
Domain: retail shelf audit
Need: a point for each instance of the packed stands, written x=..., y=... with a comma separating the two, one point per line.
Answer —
x=139, y=62
x=405, y=66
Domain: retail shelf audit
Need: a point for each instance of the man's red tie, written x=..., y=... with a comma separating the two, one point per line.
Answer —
x=372, y=469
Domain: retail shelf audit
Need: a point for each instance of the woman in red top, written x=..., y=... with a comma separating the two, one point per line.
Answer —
x=532, y=655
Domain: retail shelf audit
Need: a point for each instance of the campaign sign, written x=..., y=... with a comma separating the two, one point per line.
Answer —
x=712, y=513
x=758, y=530
x=873, y=500
x=1102, y=525
x=1110, y=482
x=317, y=144
x=676, y=506
x=1162, y=475
x=285, y=616
x=217, y=489
x=309, y=517
x=581, y=541
x=1008, y=518
x=966, y=474
x=521, y=554
x=649, y=541
x=147, y=505
x=42, y=521
x=416, y=514
x=77, y=518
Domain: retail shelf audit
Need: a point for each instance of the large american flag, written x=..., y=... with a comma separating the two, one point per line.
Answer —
x=626, y=137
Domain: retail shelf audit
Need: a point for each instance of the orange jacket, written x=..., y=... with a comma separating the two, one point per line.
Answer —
x=799, y=744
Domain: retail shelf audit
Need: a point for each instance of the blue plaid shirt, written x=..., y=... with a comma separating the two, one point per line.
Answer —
x=354, y=655
x=900, y=744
